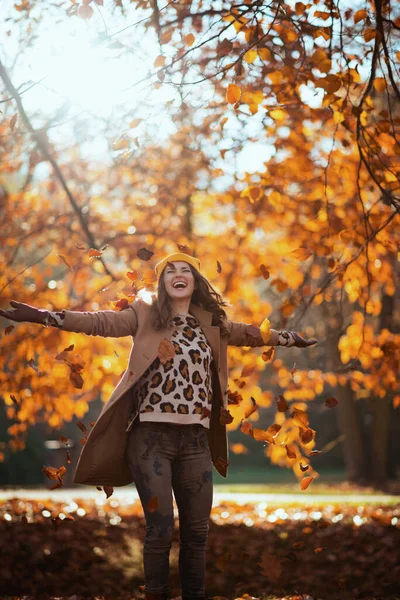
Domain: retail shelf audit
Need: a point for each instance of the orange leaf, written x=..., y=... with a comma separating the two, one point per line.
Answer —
x=380, y=84
x=189, y=39
x=245, y=427
x=271, y=566
x=233, y=93
x=247, y=371
x=304, y=483
x=160, y=61
x=299, y=417
x=360, y=15
x=93, y=253
x=266, y=356
x=166, y=350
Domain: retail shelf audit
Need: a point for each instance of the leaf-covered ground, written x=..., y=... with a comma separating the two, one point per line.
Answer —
x=92, y=547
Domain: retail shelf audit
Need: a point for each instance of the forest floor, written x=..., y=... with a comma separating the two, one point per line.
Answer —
x=330, y=545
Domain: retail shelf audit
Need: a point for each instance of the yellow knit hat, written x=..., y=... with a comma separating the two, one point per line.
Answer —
x=176, y=256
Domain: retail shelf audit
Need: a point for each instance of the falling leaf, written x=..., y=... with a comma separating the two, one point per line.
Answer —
x=331, y=402
x=13, y=398
x=225, y=416
x=239, y=448
x=265, y=328
x=264, y=271
x=81, y=426
x=266, y=356
x=66, y=262
x=270, y=566
x=247, y=371
x=306, y=435
x=219, y=268
x=304, y=483
x=299, y=417
x=144, y=254
x=304, y=467
x=254, y=407
x=314, y=452
x=93, y=253
x=122, y=304
x=108, y=490
x=245, y=427
x=8, y=329
x=281, y=403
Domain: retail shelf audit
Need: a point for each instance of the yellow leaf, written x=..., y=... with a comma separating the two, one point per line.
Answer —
x=277, y=114
x=276, y=77
x=265, y=328
x=380, y=84
x=160, y=61
x=257, y=97
x=265, y=53
x=189, y=39
x=233, y=93
x=250, y=56
x=338, y=117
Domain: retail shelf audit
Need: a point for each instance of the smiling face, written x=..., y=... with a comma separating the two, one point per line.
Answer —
x=180, y=273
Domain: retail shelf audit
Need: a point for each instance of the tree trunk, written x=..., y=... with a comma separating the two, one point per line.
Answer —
x=381, y=411
x=347, y=410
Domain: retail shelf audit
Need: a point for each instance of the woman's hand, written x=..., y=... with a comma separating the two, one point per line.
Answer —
x=24, y=312
x=292, y=338
x=300, y=342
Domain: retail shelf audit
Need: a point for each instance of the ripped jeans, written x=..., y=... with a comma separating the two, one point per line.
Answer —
x=163, y=457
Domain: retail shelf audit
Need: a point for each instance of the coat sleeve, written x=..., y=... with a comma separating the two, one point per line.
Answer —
x=107, y=323
x=245, y=334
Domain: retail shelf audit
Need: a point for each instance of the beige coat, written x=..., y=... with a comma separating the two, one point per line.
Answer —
x=102, y=459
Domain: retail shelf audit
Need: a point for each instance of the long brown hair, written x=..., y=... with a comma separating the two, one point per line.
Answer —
x=204, y=296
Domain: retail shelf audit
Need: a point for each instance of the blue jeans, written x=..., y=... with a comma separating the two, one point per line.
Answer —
x=163, y=457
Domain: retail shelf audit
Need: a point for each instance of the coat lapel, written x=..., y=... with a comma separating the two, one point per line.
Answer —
x=211, y=332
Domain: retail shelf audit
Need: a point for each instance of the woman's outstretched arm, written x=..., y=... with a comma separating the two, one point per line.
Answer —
x=107, y=323
x=245, y=334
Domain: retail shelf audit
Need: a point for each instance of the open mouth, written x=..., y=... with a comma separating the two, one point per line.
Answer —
x=179, y=285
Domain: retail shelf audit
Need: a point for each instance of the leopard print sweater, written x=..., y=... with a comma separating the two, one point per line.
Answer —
x=178, y=391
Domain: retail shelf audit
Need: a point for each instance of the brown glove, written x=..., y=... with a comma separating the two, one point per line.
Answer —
x=25, y=312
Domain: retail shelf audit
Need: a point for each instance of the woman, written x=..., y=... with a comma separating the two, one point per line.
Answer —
x=164, y=425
